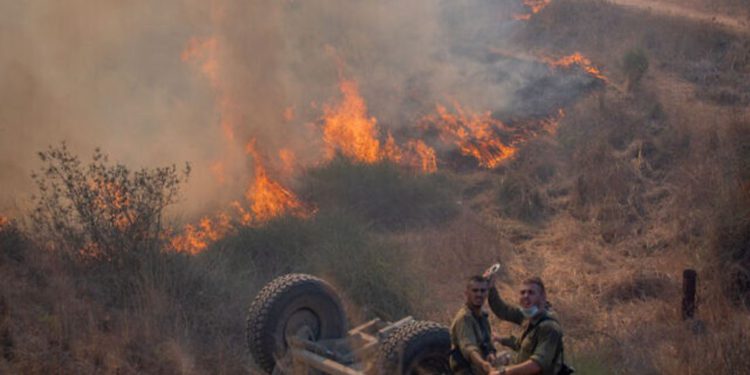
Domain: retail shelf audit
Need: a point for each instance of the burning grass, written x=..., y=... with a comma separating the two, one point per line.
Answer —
x=609, y=207
x=715, y=59
x=349, y=131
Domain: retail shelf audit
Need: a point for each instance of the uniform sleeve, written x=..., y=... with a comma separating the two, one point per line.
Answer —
x=466, y=337
x=549, y=340
x=502, y=309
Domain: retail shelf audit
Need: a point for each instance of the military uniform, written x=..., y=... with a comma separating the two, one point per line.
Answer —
x=541, y=341
x=469, y=333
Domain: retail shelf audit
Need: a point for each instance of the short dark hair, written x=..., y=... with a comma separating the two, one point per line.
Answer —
x=476, y=279
x=536, y=280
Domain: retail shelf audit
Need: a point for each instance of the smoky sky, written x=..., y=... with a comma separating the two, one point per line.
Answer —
x=112, y=74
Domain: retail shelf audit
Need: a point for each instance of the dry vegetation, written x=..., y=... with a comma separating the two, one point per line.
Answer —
x=644, y=178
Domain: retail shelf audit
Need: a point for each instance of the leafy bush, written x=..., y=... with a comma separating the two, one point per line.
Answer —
x=13, y=243
x=105, y=219
x=100, y=210
x=383, y=194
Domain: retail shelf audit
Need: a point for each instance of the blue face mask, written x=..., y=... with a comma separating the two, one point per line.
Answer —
x=530, y=312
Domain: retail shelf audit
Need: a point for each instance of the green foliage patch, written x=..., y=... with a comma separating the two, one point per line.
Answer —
x=383, y=195
x=370, y=271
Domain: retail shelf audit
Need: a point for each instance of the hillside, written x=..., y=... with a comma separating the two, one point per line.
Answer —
x=602, y=145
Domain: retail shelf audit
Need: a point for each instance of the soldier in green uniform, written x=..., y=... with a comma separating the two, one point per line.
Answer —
x=472, y=352
x=539, y=350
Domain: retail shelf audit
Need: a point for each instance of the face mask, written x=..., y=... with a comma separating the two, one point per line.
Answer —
x=530, y=312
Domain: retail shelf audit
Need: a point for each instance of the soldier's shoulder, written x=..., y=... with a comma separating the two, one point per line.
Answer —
x=550, y=324
x=462, y=314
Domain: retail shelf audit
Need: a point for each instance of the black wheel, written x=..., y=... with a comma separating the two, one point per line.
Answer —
x=419, y=347
x=294, y=305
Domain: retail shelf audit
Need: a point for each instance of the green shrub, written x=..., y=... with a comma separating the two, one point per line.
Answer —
x=372, y=271
x=383, y=194
x=13, y=243
x=335, y=245
x=105, y=219
x=100, y=210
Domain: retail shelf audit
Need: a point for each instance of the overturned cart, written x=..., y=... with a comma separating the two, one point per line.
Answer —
x=297, y=325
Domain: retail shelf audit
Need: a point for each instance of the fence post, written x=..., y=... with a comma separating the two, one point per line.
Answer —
x=689, y=279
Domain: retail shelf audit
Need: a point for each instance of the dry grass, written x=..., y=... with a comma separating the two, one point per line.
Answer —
x=634, y=188
x=57, y=319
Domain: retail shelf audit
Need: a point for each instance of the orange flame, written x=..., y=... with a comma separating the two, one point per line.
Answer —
x=478, y=135
x=551, y=124
x=391, y=150
x=289, y=114
x=268, y=198
x=204, y=52
x=348, y=129
x=474, y=134
x=535, y=6
x=4, y=220
x=114, y=202
x=424, y=156
x=288, y=161
x=195, y=239
x=578, y=59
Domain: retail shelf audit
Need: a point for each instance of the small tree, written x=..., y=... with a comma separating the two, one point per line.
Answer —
x=99, y=210
x=634, y=65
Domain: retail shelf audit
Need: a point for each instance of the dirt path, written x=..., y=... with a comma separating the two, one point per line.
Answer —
x=664, y=8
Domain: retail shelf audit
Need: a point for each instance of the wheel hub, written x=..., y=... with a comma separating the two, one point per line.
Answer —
x=302, y=324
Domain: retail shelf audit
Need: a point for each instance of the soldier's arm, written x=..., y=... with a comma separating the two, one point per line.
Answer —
x=468, y=344
x=527, y=367
x=503, y=310
x=476, y=358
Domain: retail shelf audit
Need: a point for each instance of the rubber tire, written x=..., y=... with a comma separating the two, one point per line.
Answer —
x=288, y=296
x=419, y=347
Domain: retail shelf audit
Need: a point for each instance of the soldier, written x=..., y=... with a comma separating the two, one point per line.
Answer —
x=472, y=352
x=539, y=350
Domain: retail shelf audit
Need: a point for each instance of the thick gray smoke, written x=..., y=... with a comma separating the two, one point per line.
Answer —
x=114, y=74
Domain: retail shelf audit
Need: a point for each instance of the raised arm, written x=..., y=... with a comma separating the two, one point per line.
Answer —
x=503, y=310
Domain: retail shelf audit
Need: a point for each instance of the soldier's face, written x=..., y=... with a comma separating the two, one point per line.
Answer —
x=531, y=295
x=476, y=293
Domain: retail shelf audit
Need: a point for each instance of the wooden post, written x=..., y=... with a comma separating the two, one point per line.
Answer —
x=689, y=279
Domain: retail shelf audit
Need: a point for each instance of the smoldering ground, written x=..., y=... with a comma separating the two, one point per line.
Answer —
x=117, y=75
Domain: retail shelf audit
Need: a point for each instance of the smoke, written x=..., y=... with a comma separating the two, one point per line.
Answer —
x=117, y=75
